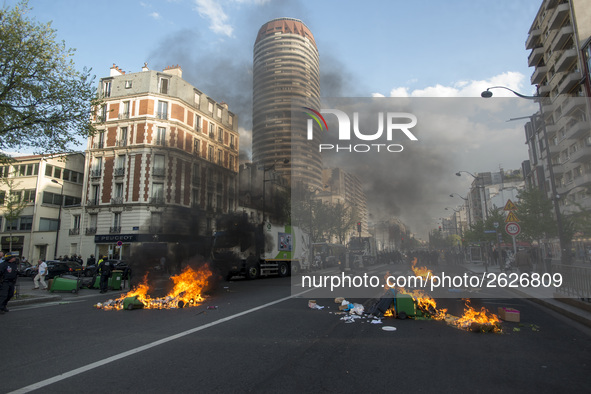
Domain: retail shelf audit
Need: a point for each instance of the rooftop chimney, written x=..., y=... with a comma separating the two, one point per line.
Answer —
x=174, y=70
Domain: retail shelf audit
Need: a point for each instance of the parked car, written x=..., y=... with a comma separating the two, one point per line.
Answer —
x=22, y=268
x=57, y=268
x=120, y=265
x=31, y=271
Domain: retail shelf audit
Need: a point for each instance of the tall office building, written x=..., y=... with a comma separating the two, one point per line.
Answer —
x=559, y=40
x=285, y=69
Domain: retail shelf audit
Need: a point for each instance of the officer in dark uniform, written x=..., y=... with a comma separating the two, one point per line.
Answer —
x=8, y=275
x=105, y=267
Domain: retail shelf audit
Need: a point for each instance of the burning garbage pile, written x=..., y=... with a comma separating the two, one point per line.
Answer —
x=402, y=303
x=188, y=290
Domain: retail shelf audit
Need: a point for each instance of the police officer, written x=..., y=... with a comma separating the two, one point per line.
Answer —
x=8, y=275
x=105, y=267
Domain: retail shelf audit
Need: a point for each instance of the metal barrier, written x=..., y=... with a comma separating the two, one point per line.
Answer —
x=576, y=280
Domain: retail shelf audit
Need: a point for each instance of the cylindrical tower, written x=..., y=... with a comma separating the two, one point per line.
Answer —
x=285, y=68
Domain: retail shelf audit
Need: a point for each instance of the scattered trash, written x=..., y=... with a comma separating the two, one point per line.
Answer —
x=389, y=328
x=212, y=307
x=509, y=314
x=313, y=305
x=376, y=321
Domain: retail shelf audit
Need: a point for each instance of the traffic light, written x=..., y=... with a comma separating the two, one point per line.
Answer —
x=439, y=228
x=359, y=227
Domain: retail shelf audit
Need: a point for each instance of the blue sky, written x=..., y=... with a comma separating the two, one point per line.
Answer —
x=397, y=48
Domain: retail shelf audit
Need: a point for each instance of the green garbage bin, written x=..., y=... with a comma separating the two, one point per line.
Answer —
x=115, y=280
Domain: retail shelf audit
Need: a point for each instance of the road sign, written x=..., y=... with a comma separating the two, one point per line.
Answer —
x=119, y=243
x=510, y=206
x=513, y=229
x=490, y=231
x=511, y=218
x=496, y=224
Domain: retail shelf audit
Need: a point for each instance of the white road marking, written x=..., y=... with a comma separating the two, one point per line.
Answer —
x=108, y=360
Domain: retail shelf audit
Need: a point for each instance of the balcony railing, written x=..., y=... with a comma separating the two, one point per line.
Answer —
x=98, y=145
x=95, y=173
x=90, y=230
x=121, y=142
x=124, y=115
x=93, y=203
x=161, y=142
x=119, y=171
x=74, y=231
x=114, y=230
x=117, y=200
x=157, y=200
x=162, y=115
x=158, y=172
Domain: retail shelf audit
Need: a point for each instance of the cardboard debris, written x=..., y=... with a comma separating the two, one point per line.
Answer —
x=509, y=314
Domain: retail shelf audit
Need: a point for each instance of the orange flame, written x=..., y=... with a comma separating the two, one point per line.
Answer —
x=188, y=288
x=482, y=320
x=423, y=272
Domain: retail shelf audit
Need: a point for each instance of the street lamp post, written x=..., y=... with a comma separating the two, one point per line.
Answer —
x=487, y=94
x=59, y=217
x=485, y=215
x=467, y=202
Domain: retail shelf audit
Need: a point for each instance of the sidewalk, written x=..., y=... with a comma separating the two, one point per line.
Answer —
x=26, y=294
x=570, y=307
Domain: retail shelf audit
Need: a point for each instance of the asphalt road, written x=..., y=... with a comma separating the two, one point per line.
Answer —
x=262, y=340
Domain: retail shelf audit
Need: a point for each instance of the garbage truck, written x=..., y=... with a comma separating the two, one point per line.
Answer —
x=252, y=250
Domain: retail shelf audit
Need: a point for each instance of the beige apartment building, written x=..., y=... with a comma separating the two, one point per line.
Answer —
x=161, y=168
x=47, y=186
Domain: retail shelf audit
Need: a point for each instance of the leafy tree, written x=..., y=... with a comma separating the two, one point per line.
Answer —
x=45, y=103
x=535, y=213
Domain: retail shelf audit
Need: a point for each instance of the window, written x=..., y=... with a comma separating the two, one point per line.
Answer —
x=211, y=130
x=97, y=167
x=159, y=165
x=195, y=197
x=25, y=223
x=220, y=157
x=106, y=88
x=2, y=197
x=100, y=140
x=57, y=172
x=46, y=224
x=162, y=111
x=70, y=201
x=196, y=146
x=120, y=165
x=119, y=190
x=219, y=112
x=210, y=154
x=128, y=84
x=117, y=219
x=11, y=225
x=156, y=222
x=4, y=170
x=232, y=146
x=95, y=195
x=29, y=195
x=123, y=136
x=197, y=100
x=157, y=193
x=210, y=107
x=220, y=135
x=51, y=198
x=163, y=85
x=197, y=122
x=102, y=115
x=161, y=136
x=76, y=221
x=48, y=170
x=230, y=119
x=231, y=164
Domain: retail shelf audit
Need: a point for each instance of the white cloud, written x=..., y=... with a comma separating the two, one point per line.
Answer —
x=510, y=79
x=155, y=15
x=213, y=11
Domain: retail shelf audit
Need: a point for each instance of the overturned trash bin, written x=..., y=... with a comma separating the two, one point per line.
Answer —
x=65, y=284
x=130, y=303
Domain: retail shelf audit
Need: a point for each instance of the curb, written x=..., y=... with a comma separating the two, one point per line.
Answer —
x=34, y=300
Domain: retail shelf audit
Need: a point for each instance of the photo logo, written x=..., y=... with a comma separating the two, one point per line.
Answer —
x=395, y=122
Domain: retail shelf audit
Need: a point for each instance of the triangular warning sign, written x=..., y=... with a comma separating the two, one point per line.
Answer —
x=511, y=217
x=510, y=206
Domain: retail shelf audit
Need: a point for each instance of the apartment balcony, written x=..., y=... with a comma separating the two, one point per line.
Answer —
x=583, y=181
x=162, y=115
x=117, y=201
x=160, y=142
x=544, y=90
x=198, y=129
x=533, y=37
x=569, y=81
x=95, y=173
x=561, y=38
x=74, y=231
x=572, y=104
x=121, y=142
x=558, y=16
x=90, y=230
x=535, y=56
x=565, y=60
x=558, y=169
x=123, y=115
x=98, y=145
x=582, y=155
x=555, y=149
x=157, y=200
x=158, y=172
x=575, y=131
x=92, y=203
x=115, y=230
x=538, y=75
x=119, y=171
